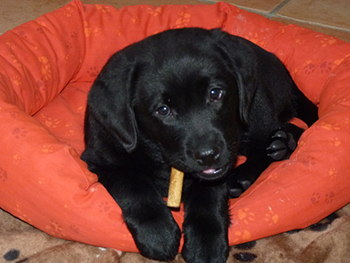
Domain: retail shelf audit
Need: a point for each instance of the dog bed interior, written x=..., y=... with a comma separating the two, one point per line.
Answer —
x=47, y=67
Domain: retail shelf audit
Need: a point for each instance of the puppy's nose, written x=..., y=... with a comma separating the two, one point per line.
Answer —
x=207, y=156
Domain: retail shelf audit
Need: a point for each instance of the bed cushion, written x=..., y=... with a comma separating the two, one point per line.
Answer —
x=47, y=67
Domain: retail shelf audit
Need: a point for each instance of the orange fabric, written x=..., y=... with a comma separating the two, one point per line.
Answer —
x=47, y=67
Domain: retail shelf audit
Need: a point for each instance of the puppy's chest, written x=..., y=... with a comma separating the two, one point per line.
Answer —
x=160, y=178
x=162, y=184
x=161, y=181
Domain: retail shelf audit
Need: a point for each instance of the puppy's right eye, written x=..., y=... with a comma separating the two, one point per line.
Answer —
x=216, y=94
x=164, y=111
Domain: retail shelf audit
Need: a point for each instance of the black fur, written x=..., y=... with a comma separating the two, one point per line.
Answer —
x=192, y=99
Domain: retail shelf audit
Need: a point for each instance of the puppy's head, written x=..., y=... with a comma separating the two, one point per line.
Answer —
x=182, y=96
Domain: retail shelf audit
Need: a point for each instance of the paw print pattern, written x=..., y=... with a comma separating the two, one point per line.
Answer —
x=70, y=132
x=326, y=67
x=155, y=11
x=253, y=37
x=3, y=175
x=271, y=218
x=220, y=20
x=40, y=30
x=69, y=11
x=74, y=229
x=81, y=110
x=46, y=69
x=14, y=114
x=48, y=148
x=104, y=207
x=21, y=214
x=93, y=72
x=17, y=80
x=135, y=20
x=11, y=45
x=41, y=180
x=103, y=8
x=19, y=133
x=309, y=68
x=241, y=236
x=335, y=142
x=68, y=45
x=300, y=41
x=246, y=215
x=23, y=34
x=50, y=122
x=329, y=198
x=315, y=198
x=54, y=229
x=73, y=34
x=97, y=31
x=16, y=159
x=18, y=64
x=308, y=161
x=333, y=173
x=330, y=126
x=326, y=41
x=183, y=20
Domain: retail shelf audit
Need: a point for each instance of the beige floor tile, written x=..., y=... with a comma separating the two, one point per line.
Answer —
x=334, y=13
x=15, y=12
x=261, y=6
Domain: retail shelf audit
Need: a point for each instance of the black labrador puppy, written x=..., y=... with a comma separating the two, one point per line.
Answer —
x=192, y=99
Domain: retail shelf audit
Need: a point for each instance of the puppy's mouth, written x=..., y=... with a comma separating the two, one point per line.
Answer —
x=213, y=173
x=206, y=174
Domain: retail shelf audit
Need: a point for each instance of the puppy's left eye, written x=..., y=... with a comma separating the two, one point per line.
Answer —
x=216, y=94
x=163, y=110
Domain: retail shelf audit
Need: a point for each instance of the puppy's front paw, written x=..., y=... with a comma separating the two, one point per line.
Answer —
x=281, y=146
x=241, y=179
x=206, y=248
x=237, y=187
x=158, y=239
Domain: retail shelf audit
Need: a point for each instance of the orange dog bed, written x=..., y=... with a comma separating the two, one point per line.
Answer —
x=47, y=67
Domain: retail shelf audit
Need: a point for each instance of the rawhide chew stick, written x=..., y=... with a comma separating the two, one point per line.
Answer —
x=175, y=188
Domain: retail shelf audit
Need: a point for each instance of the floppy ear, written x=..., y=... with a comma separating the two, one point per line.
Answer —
x=246, y=82
x=242, y=62
x=109, y=100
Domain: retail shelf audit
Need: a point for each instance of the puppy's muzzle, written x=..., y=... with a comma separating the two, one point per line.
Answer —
x=208, y=156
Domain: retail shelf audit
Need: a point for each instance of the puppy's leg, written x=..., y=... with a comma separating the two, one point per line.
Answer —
x=279, y=146
x=206, y=223
x=243, y=176
x=145, y=213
